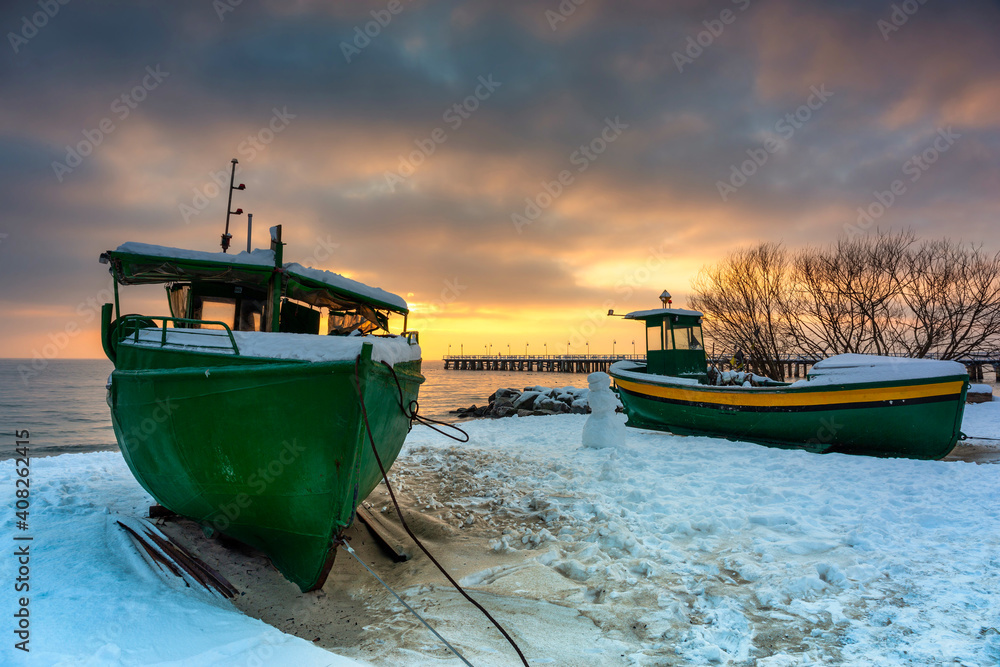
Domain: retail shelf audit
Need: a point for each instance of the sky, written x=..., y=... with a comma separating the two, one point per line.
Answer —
x=513, y=169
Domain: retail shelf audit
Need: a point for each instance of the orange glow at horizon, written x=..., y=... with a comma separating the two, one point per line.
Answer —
x=645, y=214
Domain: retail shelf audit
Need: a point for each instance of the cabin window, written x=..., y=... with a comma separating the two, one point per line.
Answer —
x=298, y=318
x=654, y=338
x=251, y=314
x=342, y=323
x=688, y=338
x=177, y=298
x=217, y=310
x=241, y=307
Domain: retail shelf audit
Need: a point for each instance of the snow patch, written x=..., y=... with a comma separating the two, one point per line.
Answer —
x=277, y=345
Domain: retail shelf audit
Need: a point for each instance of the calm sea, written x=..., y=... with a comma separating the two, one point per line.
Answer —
x=63, y=404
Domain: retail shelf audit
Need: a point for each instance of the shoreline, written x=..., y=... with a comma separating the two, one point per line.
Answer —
x=658, y=550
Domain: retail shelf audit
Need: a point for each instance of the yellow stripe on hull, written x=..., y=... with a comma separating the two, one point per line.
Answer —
x=787, y=397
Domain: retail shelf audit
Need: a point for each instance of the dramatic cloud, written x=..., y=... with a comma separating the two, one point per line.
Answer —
x=511, y=168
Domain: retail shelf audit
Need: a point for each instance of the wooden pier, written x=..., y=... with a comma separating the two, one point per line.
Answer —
x=795, y=366
x=544, y=363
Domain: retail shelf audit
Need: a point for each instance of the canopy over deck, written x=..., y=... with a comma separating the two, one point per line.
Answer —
x=143, y=263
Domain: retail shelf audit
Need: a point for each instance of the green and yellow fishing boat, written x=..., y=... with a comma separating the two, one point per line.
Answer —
x=849, y=403
x=234, y=410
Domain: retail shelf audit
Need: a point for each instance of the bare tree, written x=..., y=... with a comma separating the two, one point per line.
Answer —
x=878, y=294
x=745, y=298
x=848, y=295
x=953, y=295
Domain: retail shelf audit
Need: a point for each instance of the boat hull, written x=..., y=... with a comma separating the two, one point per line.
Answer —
x=274, y=454
x=915, y=418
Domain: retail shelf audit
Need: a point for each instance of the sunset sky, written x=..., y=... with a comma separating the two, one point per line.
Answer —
x=513, y=169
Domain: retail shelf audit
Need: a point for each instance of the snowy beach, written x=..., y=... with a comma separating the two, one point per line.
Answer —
x=662, y=550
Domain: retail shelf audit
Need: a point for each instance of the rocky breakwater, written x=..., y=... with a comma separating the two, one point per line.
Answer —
x=529, y=402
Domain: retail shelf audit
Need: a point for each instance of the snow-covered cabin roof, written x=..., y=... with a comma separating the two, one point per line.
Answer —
x=342, y=284
x=258, y=257
x=643, y=314
x=148, y=263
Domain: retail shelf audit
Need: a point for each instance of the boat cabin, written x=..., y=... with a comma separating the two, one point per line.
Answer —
x=253, y=292
x=674, y=342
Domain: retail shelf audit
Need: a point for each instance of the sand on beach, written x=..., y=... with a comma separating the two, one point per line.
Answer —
x=355, y=616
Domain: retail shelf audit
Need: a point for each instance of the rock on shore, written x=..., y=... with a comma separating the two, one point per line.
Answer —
x=507, y=402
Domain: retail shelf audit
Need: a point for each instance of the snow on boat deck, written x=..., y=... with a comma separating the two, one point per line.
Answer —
x=277, y=345
x=665, y=549
x=856, y=368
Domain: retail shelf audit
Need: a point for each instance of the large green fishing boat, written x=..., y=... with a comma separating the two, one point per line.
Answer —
x=235, y=411
x=849, y=403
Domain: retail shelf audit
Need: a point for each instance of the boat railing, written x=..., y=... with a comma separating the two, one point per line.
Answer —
x=130, y=326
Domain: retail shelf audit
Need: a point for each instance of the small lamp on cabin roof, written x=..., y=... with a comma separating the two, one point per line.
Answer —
x=665, y=299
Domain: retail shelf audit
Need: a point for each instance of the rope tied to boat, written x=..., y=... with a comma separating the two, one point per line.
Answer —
x=344, y=543
x=412, y=409
x=402, y=520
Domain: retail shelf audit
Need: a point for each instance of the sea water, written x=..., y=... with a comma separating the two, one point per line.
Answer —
x=62, y=403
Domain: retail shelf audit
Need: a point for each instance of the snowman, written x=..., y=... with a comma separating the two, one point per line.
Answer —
x=603, y=428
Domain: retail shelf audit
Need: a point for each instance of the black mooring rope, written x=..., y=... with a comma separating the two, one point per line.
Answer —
x=347, y=545
x=399, y=512
x=414, y=408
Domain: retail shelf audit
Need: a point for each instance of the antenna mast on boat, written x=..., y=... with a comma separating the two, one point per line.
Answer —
x=226, y=236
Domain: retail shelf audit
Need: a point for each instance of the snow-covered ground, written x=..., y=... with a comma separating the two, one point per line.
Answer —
x=674, y=550
x=94, y=601
x=700, y=550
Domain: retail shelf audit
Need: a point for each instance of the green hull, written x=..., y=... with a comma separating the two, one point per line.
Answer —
x=272, y=453
x=916, y=418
